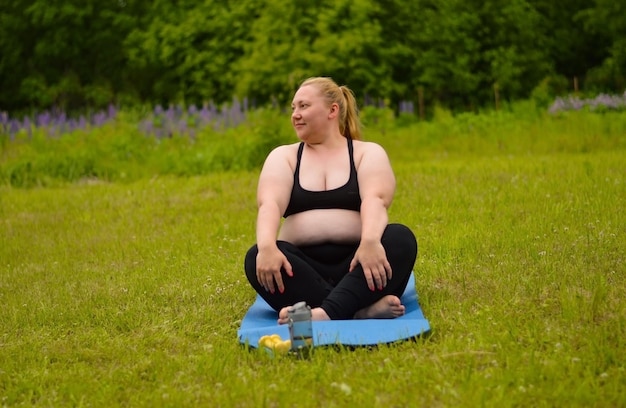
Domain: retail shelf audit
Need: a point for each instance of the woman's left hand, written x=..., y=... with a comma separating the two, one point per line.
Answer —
x=373, y=259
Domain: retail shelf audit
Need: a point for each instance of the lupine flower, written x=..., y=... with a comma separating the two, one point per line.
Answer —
x=407, y=107
x=53, y=122
x=600, y=102
x=177, y=120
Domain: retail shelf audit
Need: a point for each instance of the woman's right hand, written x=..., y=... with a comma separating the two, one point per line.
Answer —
x=269, y=263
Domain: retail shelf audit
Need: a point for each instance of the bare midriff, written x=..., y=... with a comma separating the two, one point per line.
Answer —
x=322, y=226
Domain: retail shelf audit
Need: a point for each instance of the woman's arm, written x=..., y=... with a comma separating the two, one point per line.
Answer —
x=273, y=192
x=377, y=186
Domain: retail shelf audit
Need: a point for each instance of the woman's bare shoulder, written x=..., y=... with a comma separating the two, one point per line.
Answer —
x=284, y=152
x=281, y=159
x=370, y=149
x=366, y=146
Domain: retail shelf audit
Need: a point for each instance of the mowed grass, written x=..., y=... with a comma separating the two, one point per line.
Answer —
x=131, y=294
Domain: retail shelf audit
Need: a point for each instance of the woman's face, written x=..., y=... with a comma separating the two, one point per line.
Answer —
x=310, y=113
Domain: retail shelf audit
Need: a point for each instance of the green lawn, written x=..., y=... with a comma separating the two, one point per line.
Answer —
x=131, y=294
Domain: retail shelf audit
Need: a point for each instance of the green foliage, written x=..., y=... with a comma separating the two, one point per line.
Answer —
x=605, y=20
x=381, y=119
x=113, y=152
x=65, y=54
x=235, y=149
x=340, y=39
x=78, y=55
x=187, y=50
x=119, y=151
x=548, y=89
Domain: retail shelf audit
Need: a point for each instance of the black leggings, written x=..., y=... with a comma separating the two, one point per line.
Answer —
x=321, y=278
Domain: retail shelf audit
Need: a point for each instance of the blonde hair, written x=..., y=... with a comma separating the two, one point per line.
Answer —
x=349, y=122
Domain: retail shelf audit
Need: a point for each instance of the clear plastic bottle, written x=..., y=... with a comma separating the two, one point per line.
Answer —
x=300, y=328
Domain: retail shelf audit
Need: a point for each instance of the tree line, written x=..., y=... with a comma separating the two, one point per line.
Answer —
x=462, y=54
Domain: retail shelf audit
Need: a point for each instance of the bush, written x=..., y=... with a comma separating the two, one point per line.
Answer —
x=120, y=150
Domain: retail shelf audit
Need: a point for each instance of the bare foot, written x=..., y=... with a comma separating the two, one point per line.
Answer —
x=388, y=307
x=316, y=314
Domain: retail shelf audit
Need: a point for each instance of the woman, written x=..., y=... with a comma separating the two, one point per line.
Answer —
x=335, y=249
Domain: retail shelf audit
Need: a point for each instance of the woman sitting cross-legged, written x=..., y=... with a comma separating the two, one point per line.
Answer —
x=335, y=248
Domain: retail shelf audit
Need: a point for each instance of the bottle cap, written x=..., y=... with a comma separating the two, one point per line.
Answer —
x=300, y=311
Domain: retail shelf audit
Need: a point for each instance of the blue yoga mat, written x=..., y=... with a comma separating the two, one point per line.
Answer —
x=260, y=320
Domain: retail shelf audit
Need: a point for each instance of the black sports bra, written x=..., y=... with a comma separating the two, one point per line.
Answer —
x=346, y=197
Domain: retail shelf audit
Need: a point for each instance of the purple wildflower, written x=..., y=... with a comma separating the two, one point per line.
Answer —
x=407, y=107
x=43, y=119
x=99, y=119
x=601, y=101
x=82, y=122
x=14, y=127
x=111, y=111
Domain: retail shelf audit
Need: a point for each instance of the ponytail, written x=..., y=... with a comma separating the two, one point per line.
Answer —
x=350, y=124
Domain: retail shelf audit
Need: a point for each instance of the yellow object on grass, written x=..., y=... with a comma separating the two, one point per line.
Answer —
x=275, y=343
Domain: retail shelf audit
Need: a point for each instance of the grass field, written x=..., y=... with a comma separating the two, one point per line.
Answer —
x=130, y=294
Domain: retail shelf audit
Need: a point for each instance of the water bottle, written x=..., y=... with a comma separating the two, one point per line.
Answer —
x=300, y=328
